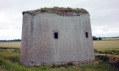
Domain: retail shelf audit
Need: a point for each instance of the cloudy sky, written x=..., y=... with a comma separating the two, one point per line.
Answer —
x=104, y=15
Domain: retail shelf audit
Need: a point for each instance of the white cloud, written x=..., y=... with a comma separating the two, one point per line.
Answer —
x=10, y=34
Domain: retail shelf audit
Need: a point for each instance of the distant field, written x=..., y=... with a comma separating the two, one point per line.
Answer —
x=106, y=45
x=108, y=38
x=10, y=44
x=98, y=45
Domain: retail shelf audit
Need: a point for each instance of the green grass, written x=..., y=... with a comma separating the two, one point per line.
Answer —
x=9, y=58
x=98, y=66
x=6, y=64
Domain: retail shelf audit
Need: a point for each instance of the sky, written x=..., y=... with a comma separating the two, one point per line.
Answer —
x=104, y=15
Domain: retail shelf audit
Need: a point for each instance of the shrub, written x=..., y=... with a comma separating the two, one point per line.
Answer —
x=94, y=38
x=115, y=64
x=100, y=38
x=102, y=57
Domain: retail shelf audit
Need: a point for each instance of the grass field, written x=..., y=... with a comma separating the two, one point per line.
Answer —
x=106, y=45
x=9, y=60
x=98, y=45
x=10, y=44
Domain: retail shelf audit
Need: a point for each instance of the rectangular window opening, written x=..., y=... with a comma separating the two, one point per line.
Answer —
x=86, y=33
x=56, y=35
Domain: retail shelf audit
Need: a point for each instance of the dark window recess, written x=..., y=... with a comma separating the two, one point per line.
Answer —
x=56, y=35
x=86, y=33
x=32, y=62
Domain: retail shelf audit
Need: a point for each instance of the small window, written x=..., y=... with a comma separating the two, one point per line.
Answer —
x=31, y=62
x=56, y=35
x=86, y=33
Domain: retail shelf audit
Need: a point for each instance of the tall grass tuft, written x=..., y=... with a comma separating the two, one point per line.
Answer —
x=12, y=66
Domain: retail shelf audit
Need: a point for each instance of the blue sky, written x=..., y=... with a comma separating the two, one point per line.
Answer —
x=104, y=15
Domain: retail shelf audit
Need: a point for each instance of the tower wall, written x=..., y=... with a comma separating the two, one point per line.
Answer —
x=40, y=47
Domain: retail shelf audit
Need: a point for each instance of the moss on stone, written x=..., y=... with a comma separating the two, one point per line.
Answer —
x=60, y=11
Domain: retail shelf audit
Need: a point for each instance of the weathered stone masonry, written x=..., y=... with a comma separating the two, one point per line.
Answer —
x=56, y=36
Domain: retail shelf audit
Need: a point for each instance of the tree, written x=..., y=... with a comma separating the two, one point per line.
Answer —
x=100, y=38
x=94, y=38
